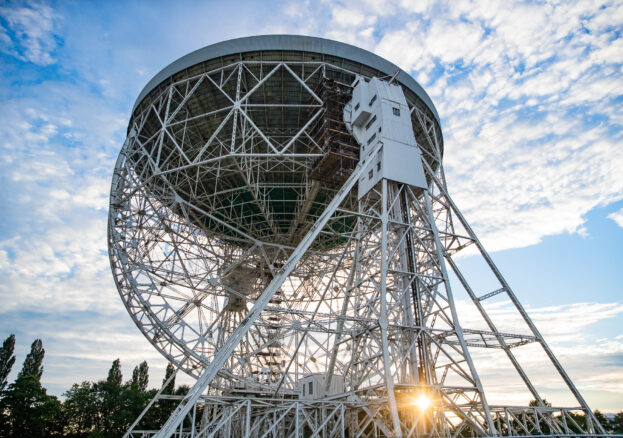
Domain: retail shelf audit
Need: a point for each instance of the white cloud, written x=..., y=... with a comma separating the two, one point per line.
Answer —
x=81, y=345
x=348, y=17
x=404, y=48
x=30, y=34
x=536, y=165
x=450, y=41
x=592, y=362
x=57, y=155
x=617, y=216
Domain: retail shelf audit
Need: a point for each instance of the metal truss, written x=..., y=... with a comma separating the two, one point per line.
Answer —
x=238, y=418
x=208, y=191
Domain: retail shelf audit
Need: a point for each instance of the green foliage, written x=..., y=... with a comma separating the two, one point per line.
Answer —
x=140, y=376
x=543, y=426
x=163, y=408
x=171, y=386
x=7, y=359
x=81, y=409
x=617, y=423
x=107, y=408
x=103, y=409
x=577, y=421
x=108, y=396
x=25, y=408
x=580, y=422
x=31, y=412
x=536, y=403
x=603, y=420
x=113, y=381
x=33, y=364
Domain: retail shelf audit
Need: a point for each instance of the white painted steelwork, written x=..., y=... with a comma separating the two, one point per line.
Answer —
x=243, y=252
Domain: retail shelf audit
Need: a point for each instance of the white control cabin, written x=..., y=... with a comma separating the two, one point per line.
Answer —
x=380, y=121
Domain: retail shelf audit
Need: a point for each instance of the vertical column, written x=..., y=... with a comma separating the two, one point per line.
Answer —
x=383, y=322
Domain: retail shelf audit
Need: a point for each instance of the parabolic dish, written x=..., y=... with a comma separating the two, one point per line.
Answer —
x=232, y=153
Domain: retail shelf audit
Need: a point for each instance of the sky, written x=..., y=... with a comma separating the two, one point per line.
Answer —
x=530, y=97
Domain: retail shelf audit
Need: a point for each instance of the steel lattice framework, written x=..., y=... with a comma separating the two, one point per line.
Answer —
x=241, y=251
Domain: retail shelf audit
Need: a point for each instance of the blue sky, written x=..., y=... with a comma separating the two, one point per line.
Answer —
x=529, y=94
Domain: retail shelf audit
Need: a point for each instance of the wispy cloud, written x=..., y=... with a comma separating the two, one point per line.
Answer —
x=27, y=32
x=56, y=157
x=528, y=99
x=81, y=344
x=617, y=216
x=595, y=364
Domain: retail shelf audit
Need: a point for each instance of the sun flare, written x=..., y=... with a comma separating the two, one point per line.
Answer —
x=422, y=401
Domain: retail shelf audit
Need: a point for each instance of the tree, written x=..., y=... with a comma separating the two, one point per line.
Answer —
x=534, y=402
x=580, y=420
x=163, y=409
x=140, y=376
x=30, y=410
x=7, y=359
x=109, y=400
x=135, y=397
x=603, y=420
x=81, y=409
x=115, y=377
x=170, y=388
x=33, y=364
x=617, y=423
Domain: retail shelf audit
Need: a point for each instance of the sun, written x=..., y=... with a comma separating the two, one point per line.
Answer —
x=422, y=402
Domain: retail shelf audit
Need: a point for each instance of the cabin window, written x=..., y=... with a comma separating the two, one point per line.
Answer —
x=371, y=122
x=311, y=388
x=396, y=111
x=372, y=100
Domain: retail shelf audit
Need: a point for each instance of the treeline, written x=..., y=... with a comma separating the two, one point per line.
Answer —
x=105, y=408
x=611, y=426
x=101, y=409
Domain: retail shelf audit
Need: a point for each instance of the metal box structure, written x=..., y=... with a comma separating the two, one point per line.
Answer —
x=314, y=386
x=379, y=118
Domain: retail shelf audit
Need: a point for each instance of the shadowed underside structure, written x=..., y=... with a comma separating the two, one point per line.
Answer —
x=243, y=252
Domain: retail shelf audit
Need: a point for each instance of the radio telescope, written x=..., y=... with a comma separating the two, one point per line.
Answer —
x=281, y=230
